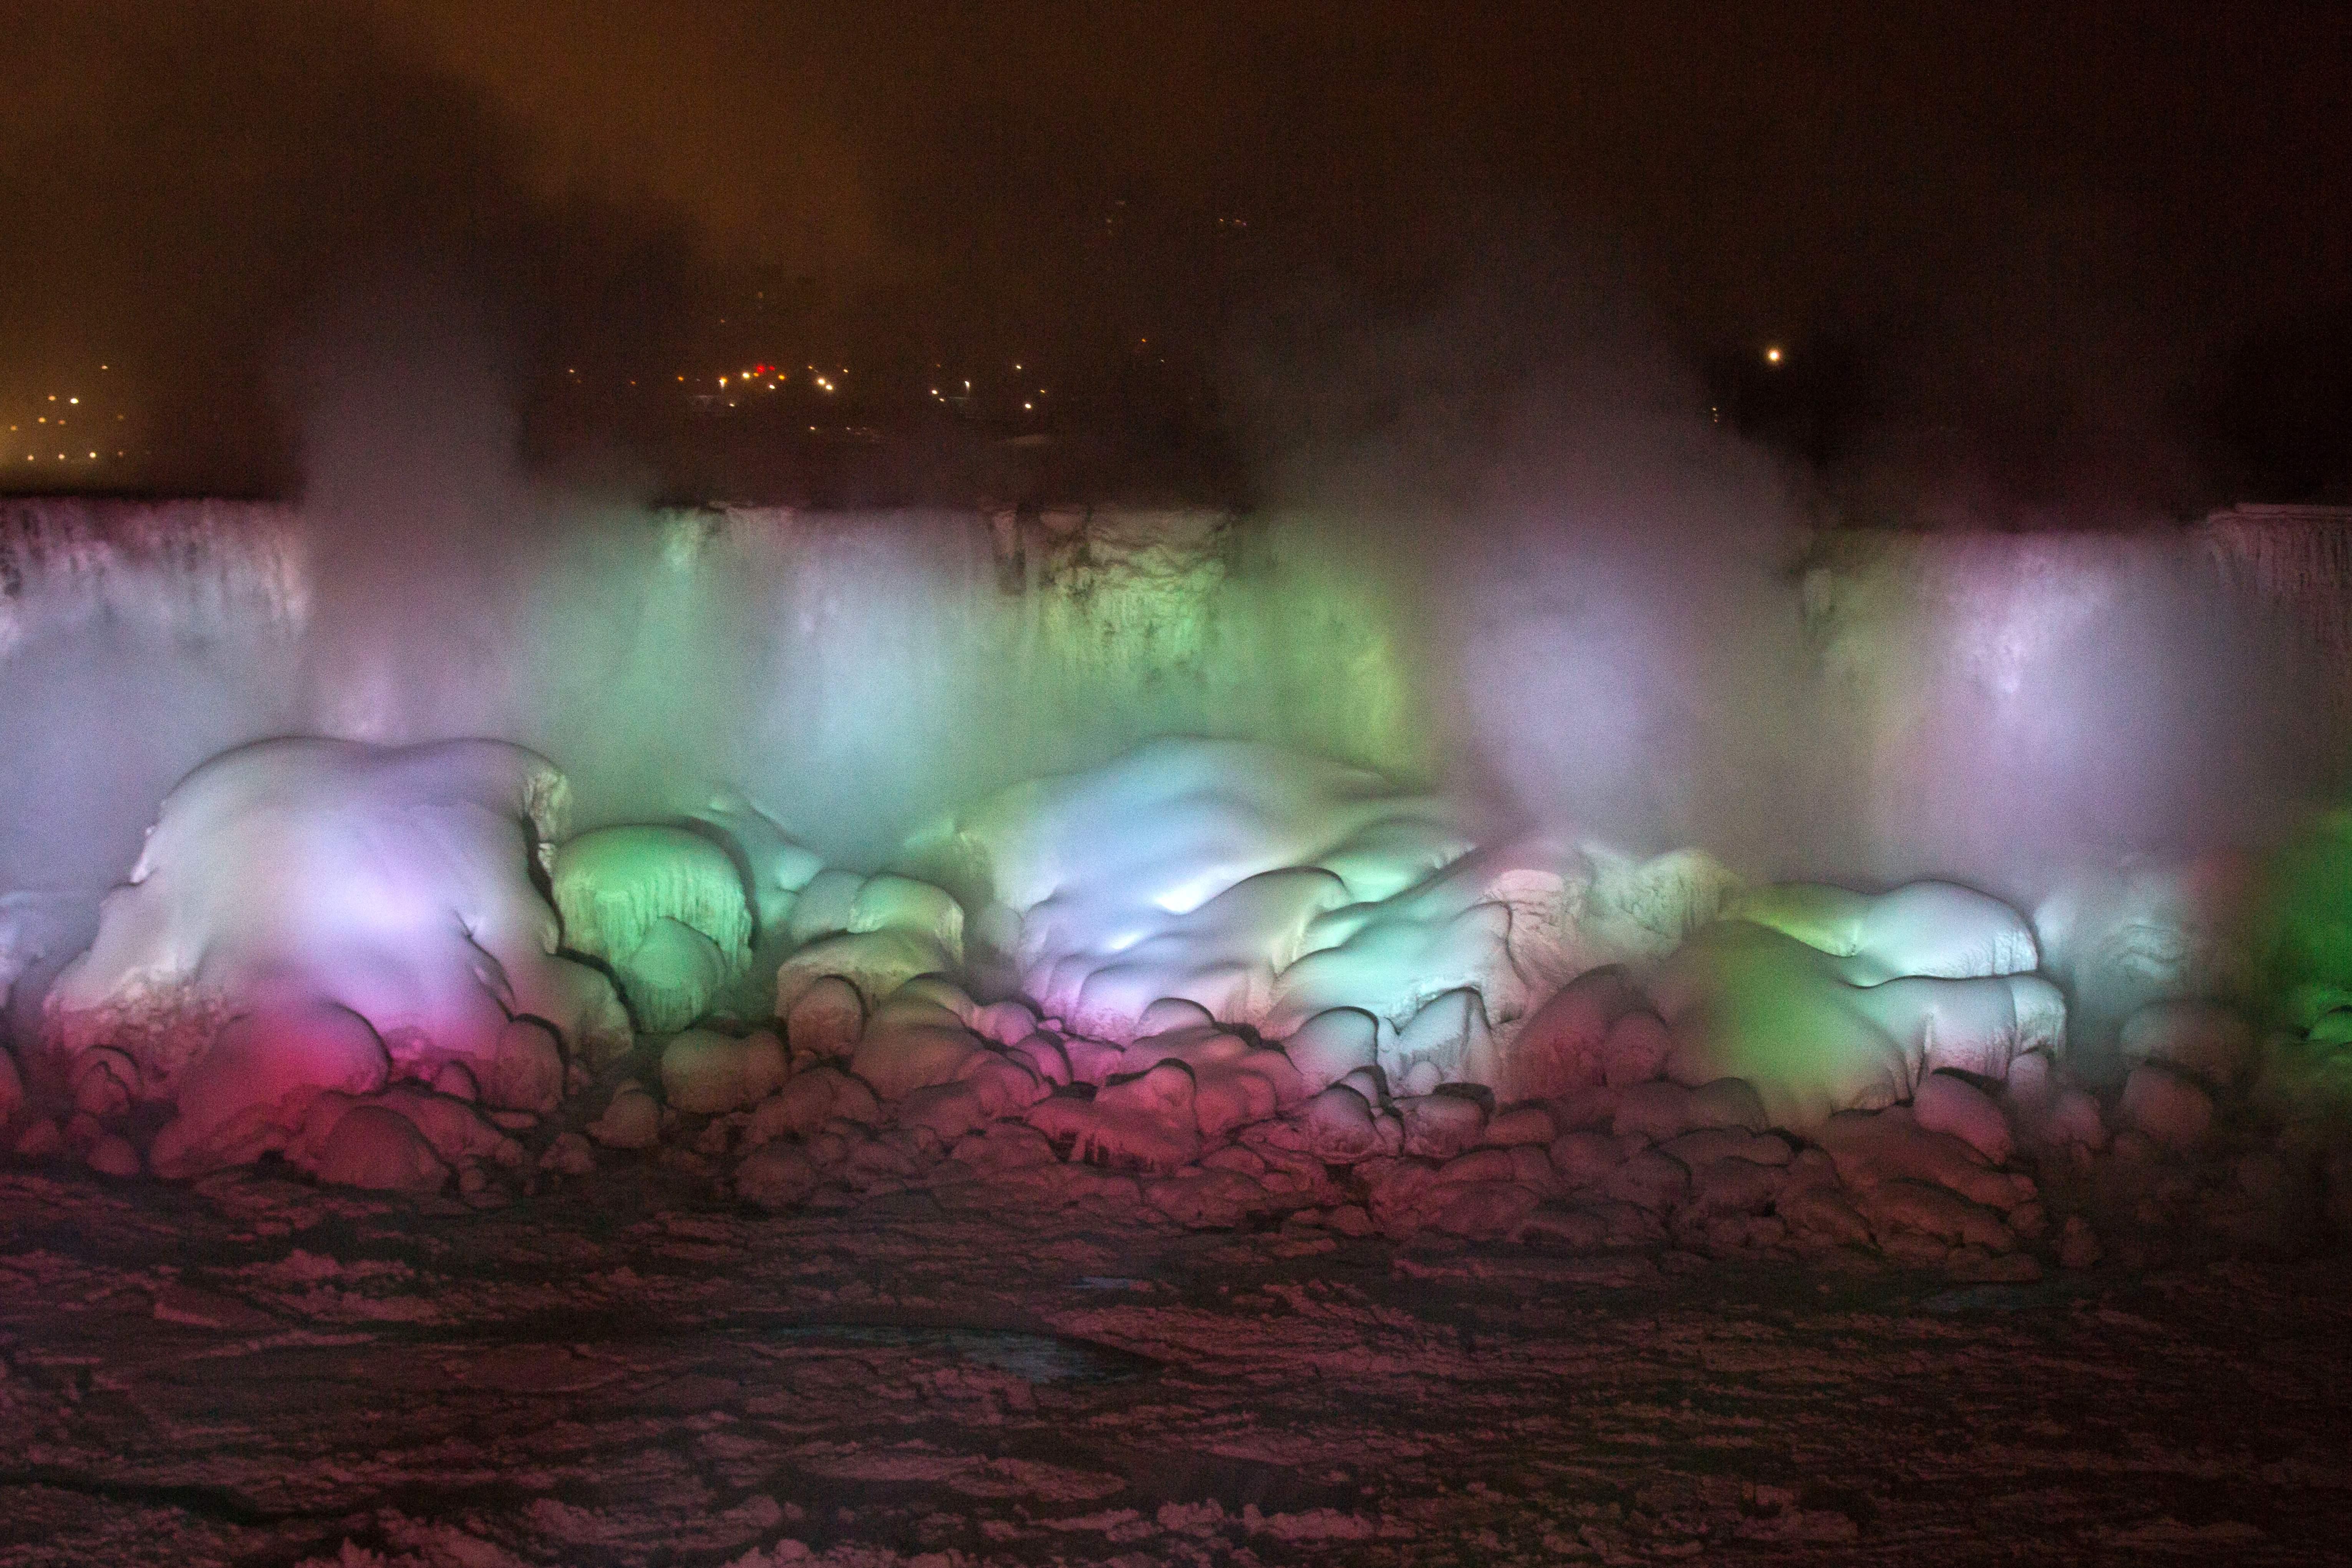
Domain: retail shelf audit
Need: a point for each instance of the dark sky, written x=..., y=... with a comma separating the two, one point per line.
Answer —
x=2017, y=218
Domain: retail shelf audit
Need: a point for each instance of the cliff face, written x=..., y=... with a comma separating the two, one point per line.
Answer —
x=192, y=569
x=2294, y=563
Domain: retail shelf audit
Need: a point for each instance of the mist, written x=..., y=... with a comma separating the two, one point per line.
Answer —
x=1497, y=548
x=1470, y=506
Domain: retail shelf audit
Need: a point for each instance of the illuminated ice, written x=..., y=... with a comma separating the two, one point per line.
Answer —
x=778, y=867
x=875, y=932
x=1841, y=1026
x=665, y=907
x=295, y=876
x=1268, y=888
x=2123, y=940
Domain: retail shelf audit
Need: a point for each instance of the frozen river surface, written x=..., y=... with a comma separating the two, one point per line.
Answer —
x=261, y=1372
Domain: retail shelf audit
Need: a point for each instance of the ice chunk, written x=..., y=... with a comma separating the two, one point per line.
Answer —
x=1234, y=1082
x=2167, y=1106
x=632, y=1118
x=452, y=1127
x=1440, y=1126
x=526, y=1070
x=1872, y=1147
x=807, y=1101
x=823, y=907
x=298, y=874
x=778, y=867
x=671, y=978
x=1267, y=887
x=875, y=963
x=1337, y=1126
x=1937, y=930
x=1105, y=880
x=1818, y=1032
x=1333, y=1044
x=1559, y=1047
x=665, y=907
x=104, y=1081
x=887, y=902
x=1636, y=1050
x=907, y=1047
x=1445, y=1042
x=826, y=1019
x=248, y=1093
x=1457, y=930
x=710, y=1074
x=2119, y=940
x=877, y=932
x=2200, y=1037
x=776, y=1176
x=986, y=1087
x=1147, y=1123
x=1006, y=1023
x=1045, y=1054
x=380, y=1149
x=1947, y=1104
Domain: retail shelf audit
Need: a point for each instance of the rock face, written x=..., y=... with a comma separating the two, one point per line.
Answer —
x=303, y=874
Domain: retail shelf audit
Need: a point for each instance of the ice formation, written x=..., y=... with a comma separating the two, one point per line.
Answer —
x=2148, y=935
x=248, y=1090
x=875, y=932
x=776, y=867
x=1211, y=981
x=1826, y=1000
x=665, y=907
x=302, y=880
x=1268, y=888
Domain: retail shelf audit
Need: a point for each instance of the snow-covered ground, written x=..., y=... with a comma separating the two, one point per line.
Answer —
x=260, y=1371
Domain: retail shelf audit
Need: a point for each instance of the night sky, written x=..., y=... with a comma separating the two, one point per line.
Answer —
x=2076, y=250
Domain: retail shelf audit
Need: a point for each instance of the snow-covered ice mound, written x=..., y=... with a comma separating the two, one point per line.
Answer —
x=294, y=876
x=875, y=933
x=1825, y=1000
x=1187, y=868
x=1267, y=887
